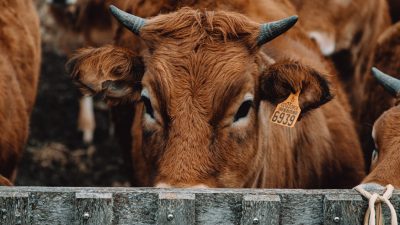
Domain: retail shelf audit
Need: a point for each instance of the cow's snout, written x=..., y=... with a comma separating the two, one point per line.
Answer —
x=166, y=185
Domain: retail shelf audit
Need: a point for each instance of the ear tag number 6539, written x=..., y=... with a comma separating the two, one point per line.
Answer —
x=287, y=112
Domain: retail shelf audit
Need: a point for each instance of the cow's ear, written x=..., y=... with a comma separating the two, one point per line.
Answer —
x=281, y=79
x=111, y=71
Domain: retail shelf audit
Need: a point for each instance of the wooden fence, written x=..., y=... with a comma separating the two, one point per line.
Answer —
x=103, y=206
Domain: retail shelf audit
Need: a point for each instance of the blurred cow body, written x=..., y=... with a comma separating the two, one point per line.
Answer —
x=208, y=91
x=19, y=73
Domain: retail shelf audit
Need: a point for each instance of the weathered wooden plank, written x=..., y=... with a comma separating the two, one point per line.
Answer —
x=54, y=208
x=94, y=208
x=194, y=191
x=261, y=209
x=176, y=209
x=344, y=209
x=135, y=208
x=14, y=208
x=62, y=205
x=218, y=208
x=301, y=208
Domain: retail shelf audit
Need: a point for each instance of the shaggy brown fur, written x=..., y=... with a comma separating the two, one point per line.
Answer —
x=376, y=100
x=385, y=168
x=19, y=72
x=199, y=67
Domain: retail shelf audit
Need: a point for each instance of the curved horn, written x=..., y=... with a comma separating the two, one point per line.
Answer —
x=391, y=84
x=132, y=22
x=269, y=31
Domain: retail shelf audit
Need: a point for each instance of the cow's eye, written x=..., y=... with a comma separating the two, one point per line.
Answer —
x=149, y=111
x=147, y=106
x=243, y=110
x=375, y=156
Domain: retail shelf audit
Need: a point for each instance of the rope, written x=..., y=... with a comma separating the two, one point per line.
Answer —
x=375, y=201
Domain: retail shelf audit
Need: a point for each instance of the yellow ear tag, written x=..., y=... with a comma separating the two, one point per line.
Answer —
x=287, y=112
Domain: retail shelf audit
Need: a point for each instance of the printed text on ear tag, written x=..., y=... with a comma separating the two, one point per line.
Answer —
x=287, y=112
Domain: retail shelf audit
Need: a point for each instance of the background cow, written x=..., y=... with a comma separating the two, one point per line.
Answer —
x=385, y=165
x=207, y=94
x=347, y=32
x=19, y=72
x=375, y=99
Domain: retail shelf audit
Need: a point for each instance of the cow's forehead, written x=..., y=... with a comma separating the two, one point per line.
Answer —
x=204, y=65
x=201, y=79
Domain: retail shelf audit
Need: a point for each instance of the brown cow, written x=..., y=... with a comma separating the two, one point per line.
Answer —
x=385, y=164
x=19, y=72
x=208, y=86
x=387, y=59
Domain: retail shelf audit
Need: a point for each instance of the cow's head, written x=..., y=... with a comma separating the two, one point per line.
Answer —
x=202, y=84
x=387, y=126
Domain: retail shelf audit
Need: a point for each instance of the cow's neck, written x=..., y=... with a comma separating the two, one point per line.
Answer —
x=292, y=158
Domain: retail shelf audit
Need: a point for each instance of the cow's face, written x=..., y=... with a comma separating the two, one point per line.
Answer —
x=200, y=117
x=386, y=128
x=201, y=91
x=386, y=136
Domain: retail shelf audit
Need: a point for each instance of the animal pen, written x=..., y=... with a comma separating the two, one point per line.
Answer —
x=55, y=156
x=102, y=206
